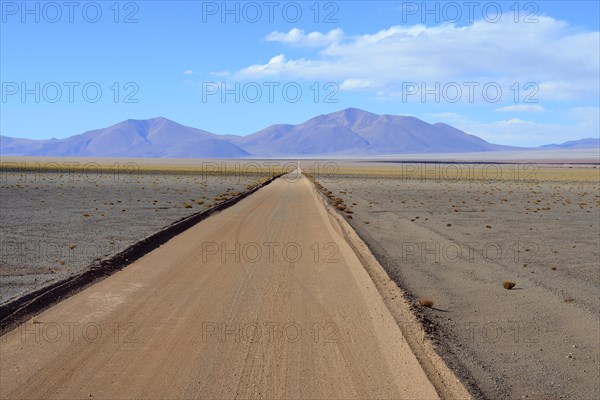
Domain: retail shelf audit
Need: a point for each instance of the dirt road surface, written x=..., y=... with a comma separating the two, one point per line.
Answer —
x=263, y=300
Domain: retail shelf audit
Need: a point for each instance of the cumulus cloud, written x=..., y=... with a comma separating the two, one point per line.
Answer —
x=551, y=54
x=300, y=38
x=275, y=66
x=280, y=66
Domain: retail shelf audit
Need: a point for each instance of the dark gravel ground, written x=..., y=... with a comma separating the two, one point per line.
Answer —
x=55, y=225
x=456, y=242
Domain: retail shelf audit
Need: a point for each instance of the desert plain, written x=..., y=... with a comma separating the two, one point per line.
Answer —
x=61, y=216
x=450, y=235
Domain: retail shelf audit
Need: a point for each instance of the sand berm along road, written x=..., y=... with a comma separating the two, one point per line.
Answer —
x=263, y=300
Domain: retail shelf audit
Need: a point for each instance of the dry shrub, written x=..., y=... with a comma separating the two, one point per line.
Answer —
x=508, y=285
x=425, y=302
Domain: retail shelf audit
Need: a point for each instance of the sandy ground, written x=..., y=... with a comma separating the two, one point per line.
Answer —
x=55, y=224
x=560, y=156
x=265, y=299
x=455, y=242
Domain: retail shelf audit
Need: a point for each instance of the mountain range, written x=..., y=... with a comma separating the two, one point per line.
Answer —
x=350, y=132
x=574, y=144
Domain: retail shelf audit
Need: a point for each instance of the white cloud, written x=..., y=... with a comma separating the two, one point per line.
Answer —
x=512, y=121
x=280, y=66
x=580, y=122
x=561, y=61
x=532, y=108
x=274, y=66
x=577, y=87
x=299, y=37
x=352, y=84
x=188, y=72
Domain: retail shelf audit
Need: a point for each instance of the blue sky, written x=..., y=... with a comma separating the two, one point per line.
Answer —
x=524, y=78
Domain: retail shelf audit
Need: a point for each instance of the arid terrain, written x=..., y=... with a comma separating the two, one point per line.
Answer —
x=264, y=300
x=59, y=217
x=453, y=233
x=300, y=200
x=446, y=238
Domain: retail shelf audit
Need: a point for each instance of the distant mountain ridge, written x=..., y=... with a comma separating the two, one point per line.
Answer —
x=575, y=144
x=156, y=137
x=350, y=132
x=353, y=131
